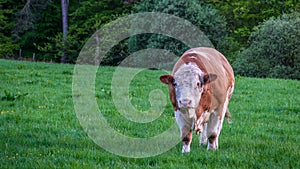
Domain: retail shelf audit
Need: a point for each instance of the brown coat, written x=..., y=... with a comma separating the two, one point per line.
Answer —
x=218, y=77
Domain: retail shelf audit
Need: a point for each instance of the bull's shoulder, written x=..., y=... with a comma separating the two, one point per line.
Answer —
x=212, y=60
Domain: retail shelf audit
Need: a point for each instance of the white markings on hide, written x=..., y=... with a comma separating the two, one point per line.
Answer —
x=187, y=77
x=186, y=70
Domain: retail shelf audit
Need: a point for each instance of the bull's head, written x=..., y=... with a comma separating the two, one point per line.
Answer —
x=186, y=87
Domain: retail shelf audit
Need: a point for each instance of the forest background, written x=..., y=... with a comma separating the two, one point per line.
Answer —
x=259, y=38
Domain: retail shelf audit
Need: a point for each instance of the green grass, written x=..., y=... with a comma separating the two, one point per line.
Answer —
x=39, y=128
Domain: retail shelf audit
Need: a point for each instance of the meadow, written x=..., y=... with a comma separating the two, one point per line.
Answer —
x=39, y=127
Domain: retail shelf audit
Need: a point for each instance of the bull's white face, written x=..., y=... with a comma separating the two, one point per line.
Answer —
x=188, y=88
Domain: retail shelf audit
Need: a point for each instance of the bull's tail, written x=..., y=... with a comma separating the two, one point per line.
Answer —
x=228, y=116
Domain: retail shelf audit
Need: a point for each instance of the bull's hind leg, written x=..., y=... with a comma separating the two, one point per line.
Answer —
x=203, y=137
x=228, y=116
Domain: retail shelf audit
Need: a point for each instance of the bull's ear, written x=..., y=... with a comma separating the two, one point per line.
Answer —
x=167, y=79
x=209, y=78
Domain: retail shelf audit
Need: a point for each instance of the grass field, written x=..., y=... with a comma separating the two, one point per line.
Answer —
x=39, y=127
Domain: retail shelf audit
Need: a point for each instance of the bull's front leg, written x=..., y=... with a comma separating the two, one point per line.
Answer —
x=215, y=124
x=214, y=127
x=199, y=124
x=201, y=127
x=212, y=131
x=186, y=142
x=184, y=125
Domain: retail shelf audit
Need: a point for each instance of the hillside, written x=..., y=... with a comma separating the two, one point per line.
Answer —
x=39, y=127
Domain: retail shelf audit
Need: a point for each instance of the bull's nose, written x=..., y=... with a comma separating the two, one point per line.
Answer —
x=185, y=102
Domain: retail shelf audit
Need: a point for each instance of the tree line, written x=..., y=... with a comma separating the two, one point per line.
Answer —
x=260, y=38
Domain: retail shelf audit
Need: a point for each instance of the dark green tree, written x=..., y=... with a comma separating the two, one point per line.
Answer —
x=274, y=49
x=203, y=16
x=243, y=15
x=26, y=32
x=85, y=18
x=49, y=25
x=7, y=22
x=90, y=17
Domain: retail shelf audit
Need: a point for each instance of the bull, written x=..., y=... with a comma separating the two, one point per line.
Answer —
x=200, y=87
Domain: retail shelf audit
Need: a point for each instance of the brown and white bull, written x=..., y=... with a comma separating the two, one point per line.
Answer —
x=200, y=88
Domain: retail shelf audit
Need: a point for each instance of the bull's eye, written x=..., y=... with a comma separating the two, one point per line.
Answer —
x=174, y=84
x=198, y=84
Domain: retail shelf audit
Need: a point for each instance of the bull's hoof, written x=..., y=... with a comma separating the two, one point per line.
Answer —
x=185, y=149
x=213, y=147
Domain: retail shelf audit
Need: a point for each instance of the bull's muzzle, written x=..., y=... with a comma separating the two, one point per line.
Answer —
x=185, y=102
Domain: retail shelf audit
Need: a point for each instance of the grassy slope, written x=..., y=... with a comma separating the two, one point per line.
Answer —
x=39, y=128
